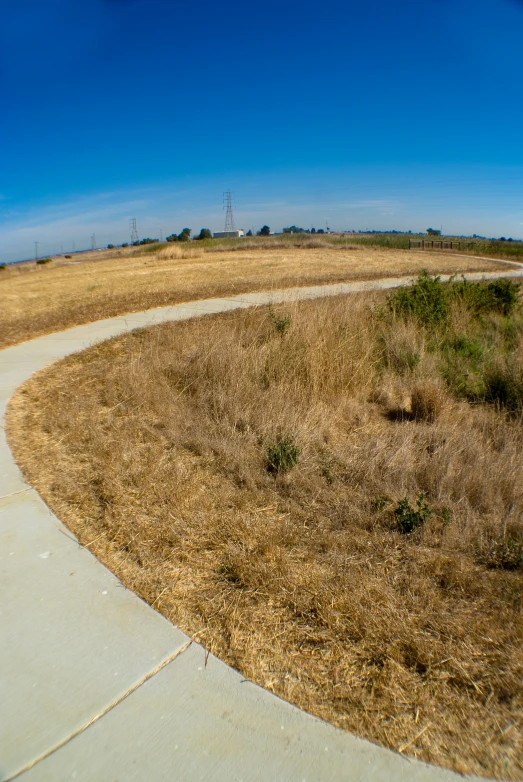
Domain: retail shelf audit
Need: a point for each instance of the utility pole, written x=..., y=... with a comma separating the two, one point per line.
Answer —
x=74, y=247
x=93, y=242
x=161, y=235
x=227, y=205
x=36, y=251
x=134, y=230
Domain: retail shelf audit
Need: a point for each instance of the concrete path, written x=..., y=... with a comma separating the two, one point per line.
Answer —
x=95, y=685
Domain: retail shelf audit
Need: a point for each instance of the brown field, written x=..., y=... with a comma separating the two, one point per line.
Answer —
x=156, y=450
x=41, y=299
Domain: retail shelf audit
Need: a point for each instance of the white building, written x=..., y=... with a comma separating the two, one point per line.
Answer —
x=229, y=234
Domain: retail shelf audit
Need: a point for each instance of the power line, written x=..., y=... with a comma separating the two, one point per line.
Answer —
x=227, y=205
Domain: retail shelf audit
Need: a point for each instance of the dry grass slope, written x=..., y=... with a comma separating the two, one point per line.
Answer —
x=256, y=477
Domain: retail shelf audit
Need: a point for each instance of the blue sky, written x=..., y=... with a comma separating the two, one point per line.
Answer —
x=363, y=115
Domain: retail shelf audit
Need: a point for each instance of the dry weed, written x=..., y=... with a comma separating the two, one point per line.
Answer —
x=428, y=398
x=175, y=252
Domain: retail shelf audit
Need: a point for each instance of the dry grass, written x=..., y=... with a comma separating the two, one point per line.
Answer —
x=154, y=447
x=41, y=299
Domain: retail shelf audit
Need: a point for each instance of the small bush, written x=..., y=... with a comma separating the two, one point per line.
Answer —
x=426, y=300
x=506, y=553
x=410, y=519
x=466, y=347
x=504, y=387
x=282, y=455
x=41, y=261
x=380, y=502
x=281, y=324
x=2, y=266
x=497, y=296
x=68, y=256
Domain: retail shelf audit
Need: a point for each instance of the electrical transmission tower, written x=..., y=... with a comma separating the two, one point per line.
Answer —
x=227, y=205
x=134, y=230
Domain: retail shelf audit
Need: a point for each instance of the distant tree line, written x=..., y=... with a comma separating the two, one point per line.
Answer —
x=294, y=229
x=185, y=235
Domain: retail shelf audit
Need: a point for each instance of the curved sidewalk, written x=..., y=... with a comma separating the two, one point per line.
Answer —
x=95, y=685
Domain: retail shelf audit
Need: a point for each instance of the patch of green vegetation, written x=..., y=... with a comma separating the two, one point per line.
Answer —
x=42, y=261
x=496, y=247
x=474, y=328
x=504, y=387
x=396, y=241
x=151, y=248
x=506, y=553
x=282, y=456
x=496, y=296
x=465, y=347
x=380, y=502
x=409, y=519
x=446, y=516
x=427, y=300
x=280, y=323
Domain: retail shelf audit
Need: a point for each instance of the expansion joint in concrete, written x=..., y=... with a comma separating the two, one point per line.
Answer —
x=20, y=491
x=104, y=711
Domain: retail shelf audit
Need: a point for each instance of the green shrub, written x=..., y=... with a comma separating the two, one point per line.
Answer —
x=426, y=300
x=465, y=347
x=506, y=553
x=409, y=518
x=41, y=261
x=2, y=266
x=380, y=502
x=68, y=256
x=496, y=296
x=504, y=387
x=446, y=516
x=281, y=324
x=282, y=455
